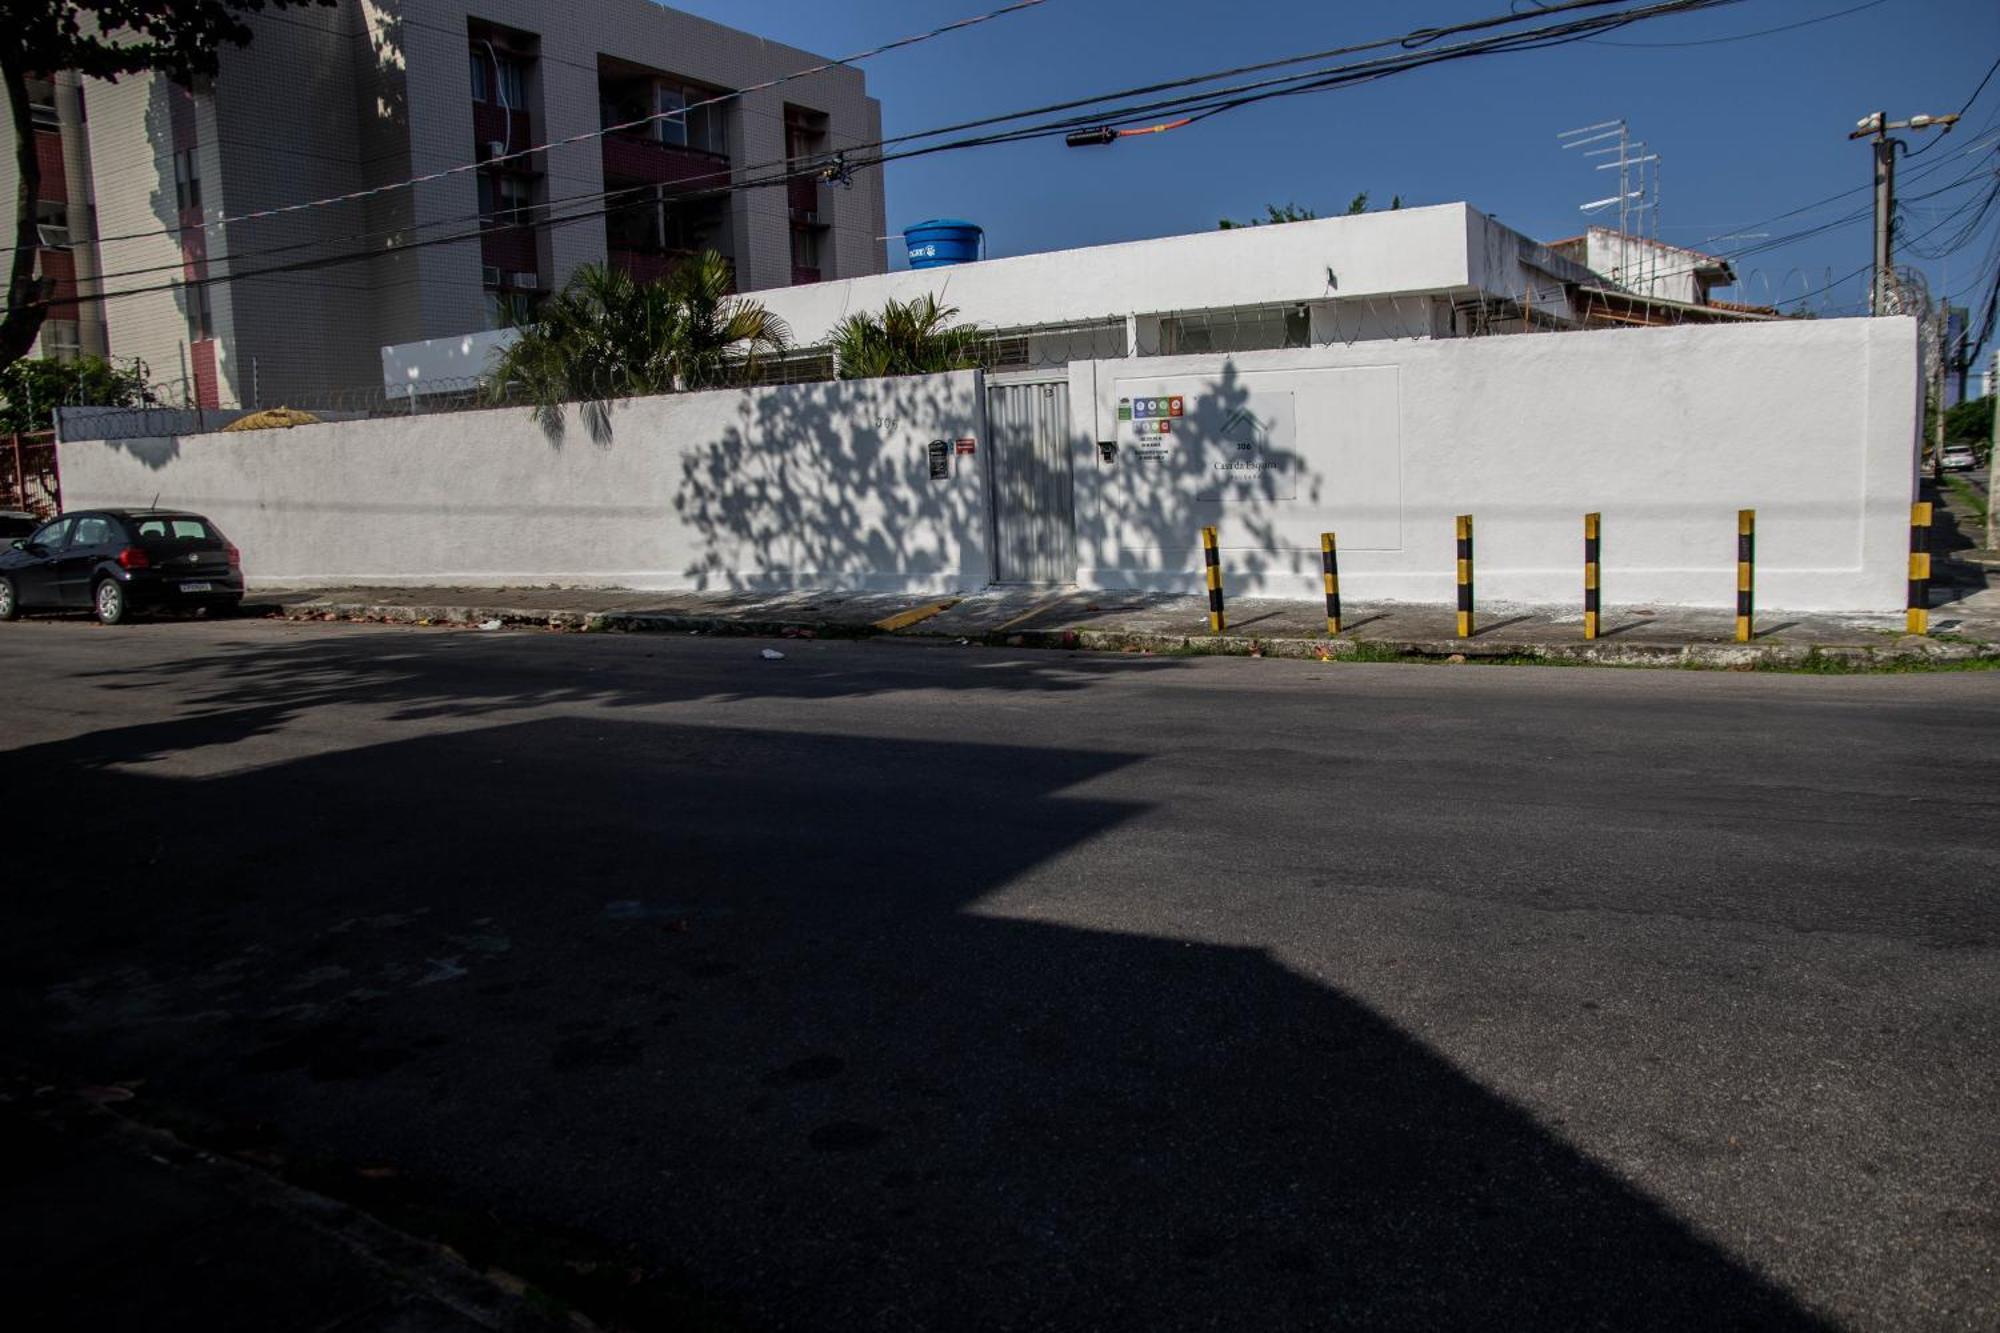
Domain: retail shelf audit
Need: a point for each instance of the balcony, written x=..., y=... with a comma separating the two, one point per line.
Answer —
x=59, y=267
x=496, y=124
x=509, y=248
x=49, y=157
x=634, y=159
x=801, y=275
x=802, y=198
x=644, y=265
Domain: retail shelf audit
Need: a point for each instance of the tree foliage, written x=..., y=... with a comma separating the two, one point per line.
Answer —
x=1277, y=213
x=1970, y=422
x=101, y=39
x=915, y=337
x=605, y=336
x=32, y=388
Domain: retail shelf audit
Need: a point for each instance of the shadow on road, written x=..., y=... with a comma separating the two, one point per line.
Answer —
x=727, y=996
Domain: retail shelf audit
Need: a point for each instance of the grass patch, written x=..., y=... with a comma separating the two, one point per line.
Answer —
x=1965, y=491
x=1821, y=664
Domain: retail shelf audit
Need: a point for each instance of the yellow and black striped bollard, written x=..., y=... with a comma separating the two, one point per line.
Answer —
x=1590, y=581
x=1213, y=559
x=1746, y=572
x=1329, y=563
x=1920, y=568
x=1465, y=576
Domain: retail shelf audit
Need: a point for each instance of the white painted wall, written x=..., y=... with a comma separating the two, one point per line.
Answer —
x=1666, y=432
x=821, y=485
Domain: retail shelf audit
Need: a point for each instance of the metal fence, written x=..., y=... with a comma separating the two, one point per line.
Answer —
x=28, y=477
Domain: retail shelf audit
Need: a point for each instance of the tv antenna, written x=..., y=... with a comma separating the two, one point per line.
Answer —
x=1637, y=200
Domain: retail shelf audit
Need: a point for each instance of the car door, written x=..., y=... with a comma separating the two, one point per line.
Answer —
x=95, y=538
x=35, y=576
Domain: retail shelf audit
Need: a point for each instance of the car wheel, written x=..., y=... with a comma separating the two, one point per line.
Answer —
x=10, y=601
x=109, y=600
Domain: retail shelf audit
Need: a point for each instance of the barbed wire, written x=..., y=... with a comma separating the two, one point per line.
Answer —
x=1529, y=309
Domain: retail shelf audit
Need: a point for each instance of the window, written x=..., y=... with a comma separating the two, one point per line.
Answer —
x=187, y=181
x=509, y=310
x=685, y=123
x=670, y=104
x=42, y=104
x=498, y=77
x=806, y=247
x=513, y=84
x=62, y=339
x=52, y=222
x=94, y=531
x=505, y=201
x=805, y=133
x=51, y=536
x=200, y=320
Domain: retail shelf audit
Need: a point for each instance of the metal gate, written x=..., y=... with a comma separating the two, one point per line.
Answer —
x=1034, y=526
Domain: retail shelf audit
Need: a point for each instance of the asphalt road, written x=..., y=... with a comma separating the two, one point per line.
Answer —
x=908, y=987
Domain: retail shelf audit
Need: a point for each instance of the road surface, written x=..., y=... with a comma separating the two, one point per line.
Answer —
x=894, y=986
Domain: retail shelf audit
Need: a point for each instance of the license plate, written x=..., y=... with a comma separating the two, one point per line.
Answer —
x=197, y=587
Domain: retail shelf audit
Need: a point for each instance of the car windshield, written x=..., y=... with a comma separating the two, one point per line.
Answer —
x=174, y=527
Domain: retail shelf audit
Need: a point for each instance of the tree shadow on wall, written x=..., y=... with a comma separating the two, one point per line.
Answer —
x=831, y=484
x=707, y=1003
x=1212, y=473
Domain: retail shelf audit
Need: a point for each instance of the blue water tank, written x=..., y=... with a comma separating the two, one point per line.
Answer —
x=942, y=241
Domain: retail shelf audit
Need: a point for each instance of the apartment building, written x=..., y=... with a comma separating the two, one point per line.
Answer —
x=505, y=108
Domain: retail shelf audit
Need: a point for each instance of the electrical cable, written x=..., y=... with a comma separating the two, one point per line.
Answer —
x=1987, y=78
x=375, y=190
x=1416, y=57
x=1746, y=36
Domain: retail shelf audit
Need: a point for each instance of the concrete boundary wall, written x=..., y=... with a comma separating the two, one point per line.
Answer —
x=811, y=486
x=1666, y=432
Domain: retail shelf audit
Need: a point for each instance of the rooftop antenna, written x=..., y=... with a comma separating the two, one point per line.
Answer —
x=1638, y=196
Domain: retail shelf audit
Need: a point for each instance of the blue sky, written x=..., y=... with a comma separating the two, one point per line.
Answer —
x=1746, y=128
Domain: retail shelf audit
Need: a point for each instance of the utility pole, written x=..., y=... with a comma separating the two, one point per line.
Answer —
x=1993, y=459
x=1876, y=125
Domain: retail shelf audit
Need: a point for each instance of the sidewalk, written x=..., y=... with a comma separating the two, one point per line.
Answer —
x=106, y=1223
x=1965, y=623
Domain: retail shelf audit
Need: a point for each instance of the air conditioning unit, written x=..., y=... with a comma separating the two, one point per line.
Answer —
x=489, y=274
x=527, y=281
x=495, y=147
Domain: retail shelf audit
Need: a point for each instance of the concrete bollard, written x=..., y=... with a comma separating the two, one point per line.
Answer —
x=1746, y=573
x=1329, y=563
x=1212, y=557
x=1920, y=568
x=1590, y=576
x=1465, y=576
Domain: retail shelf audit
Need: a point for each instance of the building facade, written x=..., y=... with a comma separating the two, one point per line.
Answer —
x=1441, y=271
x=505, y=108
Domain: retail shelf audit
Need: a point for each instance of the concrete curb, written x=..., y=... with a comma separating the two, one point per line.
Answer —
x=1904, y=651
x=1909, y=650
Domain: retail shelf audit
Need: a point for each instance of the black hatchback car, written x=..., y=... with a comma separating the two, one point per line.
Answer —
x=118, y=561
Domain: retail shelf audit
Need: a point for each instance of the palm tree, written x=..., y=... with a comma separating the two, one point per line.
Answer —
x=606, y=336
x=907, y=338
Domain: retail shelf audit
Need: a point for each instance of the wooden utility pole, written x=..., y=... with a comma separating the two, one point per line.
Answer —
x=1993, y=460
x=1876, y=125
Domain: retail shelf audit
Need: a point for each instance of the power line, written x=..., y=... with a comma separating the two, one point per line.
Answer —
x=461, y=168
x=1411, y=41
x=1746, y=36
x=1984, y=80
x=1419, y=50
